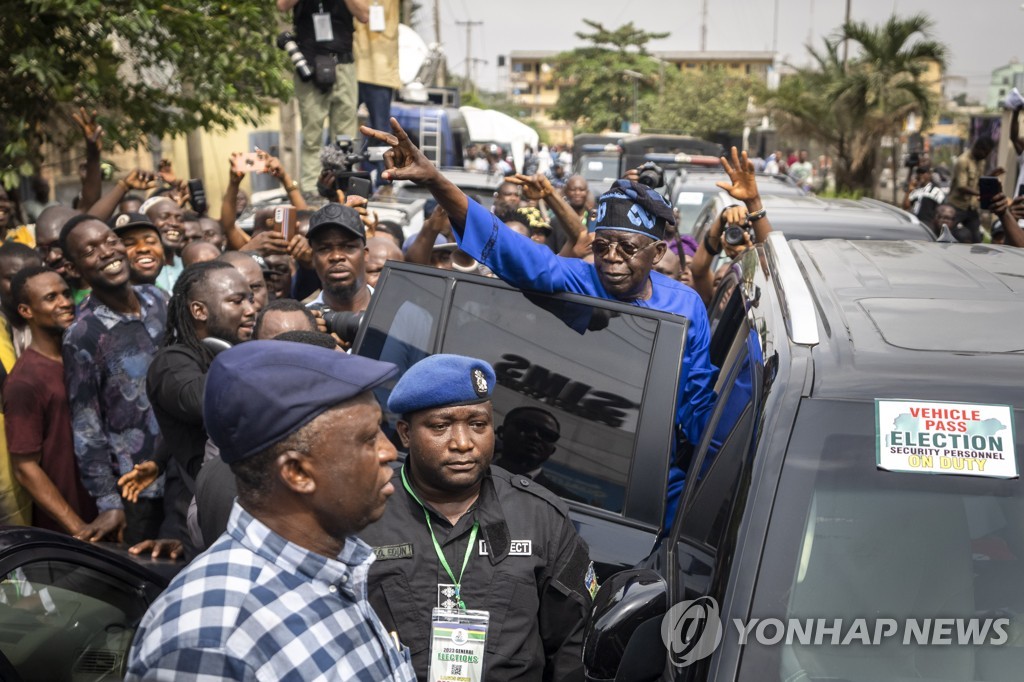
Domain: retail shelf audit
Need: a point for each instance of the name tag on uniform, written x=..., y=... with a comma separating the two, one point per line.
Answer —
x=377, y=23
x=322, y=29
x=517, y=548
x=393, y=552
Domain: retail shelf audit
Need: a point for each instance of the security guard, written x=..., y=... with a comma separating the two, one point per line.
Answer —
x=460, y=537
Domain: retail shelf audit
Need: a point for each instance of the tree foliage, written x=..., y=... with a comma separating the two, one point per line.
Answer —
x=597, y=95
x=148, y=67
x=852, y=108
x=701, y=103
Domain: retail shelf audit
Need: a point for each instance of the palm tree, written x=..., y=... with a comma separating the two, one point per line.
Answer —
x=851, y=108
x=885, y=84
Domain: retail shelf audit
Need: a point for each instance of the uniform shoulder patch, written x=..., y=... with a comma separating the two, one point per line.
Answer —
x=590, y=581
x=524, y=484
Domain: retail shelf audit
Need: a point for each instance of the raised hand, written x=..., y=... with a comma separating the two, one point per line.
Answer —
x=535, y=188
x=743, y=180
x=91, y=129
x=139, y=179
x=403, y=161
x=166, y=172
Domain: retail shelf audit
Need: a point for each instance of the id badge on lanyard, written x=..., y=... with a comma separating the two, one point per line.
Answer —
x=458, y=639
x=322, y=29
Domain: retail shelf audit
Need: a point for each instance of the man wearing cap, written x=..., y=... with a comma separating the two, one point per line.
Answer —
x=630, y=225
x=107, y=351
x=142, y=243
x=338, y=240
x=282, y=593
x=461, y=534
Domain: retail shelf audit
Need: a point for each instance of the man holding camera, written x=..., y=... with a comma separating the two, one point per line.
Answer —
x=323, y=32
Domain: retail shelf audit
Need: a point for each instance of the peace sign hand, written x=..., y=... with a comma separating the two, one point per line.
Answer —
x=404, y=161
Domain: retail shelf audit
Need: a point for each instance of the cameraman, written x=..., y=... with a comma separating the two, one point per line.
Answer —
x=323, y=30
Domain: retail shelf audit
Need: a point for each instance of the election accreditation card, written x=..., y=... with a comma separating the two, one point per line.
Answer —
x=457, y=642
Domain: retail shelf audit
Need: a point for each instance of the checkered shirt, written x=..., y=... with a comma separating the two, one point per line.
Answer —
x=257, y=607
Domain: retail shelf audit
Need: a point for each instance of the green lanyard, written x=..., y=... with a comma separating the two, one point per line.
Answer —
x=437, y=546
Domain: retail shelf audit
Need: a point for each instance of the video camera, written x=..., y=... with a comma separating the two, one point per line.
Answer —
x=733, y=234
x=337, y=161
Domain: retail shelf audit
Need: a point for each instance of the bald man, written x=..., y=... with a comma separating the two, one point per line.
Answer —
x=199, y=252
x=380, y=250
x=253, y=273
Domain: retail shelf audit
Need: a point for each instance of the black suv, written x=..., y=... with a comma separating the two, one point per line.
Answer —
x=801, y=513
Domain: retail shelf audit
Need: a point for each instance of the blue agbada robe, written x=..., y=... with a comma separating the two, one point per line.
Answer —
x=531, y=266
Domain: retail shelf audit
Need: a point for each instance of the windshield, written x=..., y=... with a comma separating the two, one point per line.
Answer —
x=689, y=205
x=600, y=167
x=849, y=541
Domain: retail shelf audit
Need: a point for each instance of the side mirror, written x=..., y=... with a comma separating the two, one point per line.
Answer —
x=623, y=640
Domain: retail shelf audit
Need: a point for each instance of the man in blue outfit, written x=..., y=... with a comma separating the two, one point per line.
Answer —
x=630, y=224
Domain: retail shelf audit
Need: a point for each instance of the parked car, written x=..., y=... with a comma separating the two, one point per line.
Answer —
x=828, y=349
x=810, y=217
x=481, y=186
x=691, y=190
x=69, y=609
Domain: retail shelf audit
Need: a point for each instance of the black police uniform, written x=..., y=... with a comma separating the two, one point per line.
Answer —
x=529, y=569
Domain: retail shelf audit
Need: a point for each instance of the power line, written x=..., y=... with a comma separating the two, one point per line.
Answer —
x=469, y=24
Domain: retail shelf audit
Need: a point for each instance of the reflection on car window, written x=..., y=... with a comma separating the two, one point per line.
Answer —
x=62, y=621
x=403, y=323
x=570, y=381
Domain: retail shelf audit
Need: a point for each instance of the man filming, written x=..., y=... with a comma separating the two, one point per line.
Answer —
x=323, y=33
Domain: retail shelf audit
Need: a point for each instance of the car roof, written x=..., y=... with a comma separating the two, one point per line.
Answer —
x=916, y=320
x=703, y=180
x=810, y=217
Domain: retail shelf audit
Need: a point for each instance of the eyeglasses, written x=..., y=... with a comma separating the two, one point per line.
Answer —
x=629, y=250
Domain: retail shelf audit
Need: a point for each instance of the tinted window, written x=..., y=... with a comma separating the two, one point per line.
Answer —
x=404, y=322
x=576, y=375
x=62, y=621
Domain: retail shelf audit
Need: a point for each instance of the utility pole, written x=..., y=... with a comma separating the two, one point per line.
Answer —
x=469, y=24
x=704, y=27
x=846, y=41
x=437, y=21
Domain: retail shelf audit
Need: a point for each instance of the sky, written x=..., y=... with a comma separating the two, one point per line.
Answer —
x=980, y=35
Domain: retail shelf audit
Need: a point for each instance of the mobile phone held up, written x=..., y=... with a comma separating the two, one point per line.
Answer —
x=249, y=162
x=988, y=187
x=285, y=221
x=359, y=187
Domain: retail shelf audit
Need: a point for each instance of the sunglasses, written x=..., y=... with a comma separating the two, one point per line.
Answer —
x=544, y=433
x=629, y=250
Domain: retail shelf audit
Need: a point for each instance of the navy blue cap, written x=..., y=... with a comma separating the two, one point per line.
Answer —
x=260, y=392
x=442, y=380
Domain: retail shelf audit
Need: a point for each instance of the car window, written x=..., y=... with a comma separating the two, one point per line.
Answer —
x=570, y=381
x=847, y=540
x=599, y=167
x=64, y=621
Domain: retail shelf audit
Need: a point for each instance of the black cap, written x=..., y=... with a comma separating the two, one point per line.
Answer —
x=336, y=215
x=123, y=222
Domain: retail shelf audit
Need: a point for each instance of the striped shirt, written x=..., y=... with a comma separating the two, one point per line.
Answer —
x=257, y=607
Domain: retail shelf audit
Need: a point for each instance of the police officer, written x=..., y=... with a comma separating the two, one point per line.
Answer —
x=461, y=535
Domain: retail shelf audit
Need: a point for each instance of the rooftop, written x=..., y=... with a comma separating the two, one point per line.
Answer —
x=918, y=320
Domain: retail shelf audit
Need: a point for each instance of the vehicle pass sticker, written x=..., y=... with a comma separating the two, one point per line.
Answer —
x=965, y=439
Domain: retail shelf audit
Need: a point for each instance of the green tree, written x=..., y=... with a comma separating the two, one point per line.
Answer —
x=700, y=103
x=597, y=95
x=148, y=67
x=852, y=107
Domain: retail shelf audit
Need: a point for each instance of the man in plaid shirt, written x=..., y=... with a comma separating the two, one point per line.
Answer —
x=282, y=594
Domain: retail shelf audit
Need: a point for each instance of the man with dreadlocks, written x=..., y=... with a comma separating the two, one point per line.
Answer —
x=630, y=226
x=211, y=300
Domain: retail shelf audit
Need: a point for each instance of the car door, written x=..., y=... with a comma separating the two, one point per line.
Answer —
x=68, y=610
x=586, y=390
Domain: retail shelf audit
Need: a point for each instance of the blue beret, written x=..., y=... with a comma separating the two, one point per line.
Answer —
x=260, y=392
x=441, y=380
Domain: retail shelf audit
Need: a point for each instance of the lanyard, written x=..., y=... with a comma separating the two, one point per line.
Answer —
x=437, y=546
